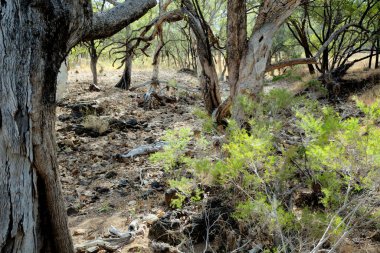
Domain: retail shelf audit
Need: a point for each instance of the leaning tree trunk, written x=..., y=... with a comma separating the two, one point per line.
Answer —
x=271, y=16
x=35, y=38
x=208, y=77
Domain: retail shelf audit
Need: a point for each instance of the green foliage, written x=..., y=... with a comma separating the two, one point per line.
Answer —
x=175, y=161
x=278, y=100
x=288, y=75
x=338, y=160
x=105, y=208
x=208, y=124
x=316, y=86
x=174, y=152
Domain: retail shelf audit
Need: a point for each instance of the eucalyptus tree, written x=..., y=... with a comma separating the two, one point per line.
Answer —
x=35, y=38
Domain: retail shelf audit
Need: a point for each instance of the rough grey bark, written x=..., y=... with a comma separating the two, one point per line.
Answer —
x=35, y=37
x=236, y=40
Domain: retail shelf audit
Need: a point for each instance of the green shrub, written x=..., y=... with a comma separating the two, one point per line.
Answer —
x=288, y=75
x=316, y=85
x=208, y=124
x=336, y=160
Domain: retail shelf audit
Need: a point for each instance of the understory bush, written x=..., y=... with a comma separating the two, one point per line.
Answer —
x=301, y=178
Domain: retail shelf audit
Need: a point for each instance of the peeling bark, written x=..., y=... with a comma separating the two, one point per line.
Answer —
x=253, y=64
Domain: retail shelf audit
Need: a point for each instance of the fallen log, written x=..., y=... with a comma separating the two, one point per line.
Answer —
x=143, y=150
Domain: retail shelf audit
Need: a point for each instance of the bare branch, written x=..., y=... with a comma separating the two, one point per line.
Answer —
x=312, y=60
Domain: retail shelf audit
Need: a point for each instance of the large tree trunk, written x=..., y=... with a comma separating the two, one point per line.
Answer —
x=32, y=213
x=236, y=49
x=272, y=14
x=34, y=40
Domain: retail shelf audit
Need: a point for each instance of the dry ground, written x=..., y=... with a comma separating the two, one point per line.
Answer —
x=100, y=190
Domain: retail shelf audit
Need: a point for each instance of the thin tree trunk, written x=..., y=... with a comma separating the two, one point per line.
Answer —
x=93, y=62
x=125, y=81
x=325, y=61
x=370, y=58
x=309, y=55
x=377, y=53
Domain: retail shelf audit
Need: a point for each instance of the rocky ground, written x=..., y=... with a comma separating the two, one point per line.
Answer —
x=101, y=189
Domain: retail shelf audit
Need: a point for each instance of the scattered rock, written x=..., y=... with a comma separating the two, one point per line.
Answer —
x=157, y=186
x=123, y=183
x=150, y=218
x=101, y=190
x=146, y=194
x=110, y=174
x=132, y=203
x=83, y=109
x=124, y=125
x=93, y=249
x=79, y=231
x=64, y=117
x=71, y=211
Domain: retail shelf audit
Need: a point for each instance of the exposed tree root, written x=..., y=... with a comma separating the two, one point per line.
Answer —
x=113, y=244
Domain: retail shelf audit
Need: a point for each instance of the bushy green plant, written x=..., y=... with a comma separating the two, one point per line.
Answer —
x=208, y=124
x=278, y=99
x=336, y=160
x=316, y=85
x=175, y=161
x=174, y=152
x=288, y=75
